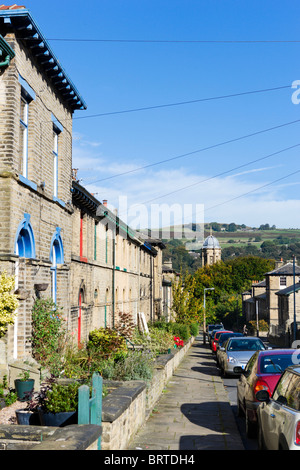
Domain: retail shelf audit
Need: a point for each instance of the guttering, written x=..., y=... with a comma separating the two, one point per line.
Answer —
x=26, y=29
x=6, y=51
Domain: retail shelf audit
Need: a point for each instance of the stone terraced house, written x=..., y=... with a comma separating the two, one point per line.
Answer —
x=275, y=300
x=56, y=238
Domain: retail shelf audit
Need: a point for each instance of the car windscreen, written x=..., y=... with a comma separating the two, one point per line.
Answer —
x=246, y=344
x=275, y=364
x=224, y=337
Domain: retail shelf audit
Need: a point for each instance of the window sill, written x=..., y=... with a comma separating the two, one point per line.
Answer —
x=28, y=183
x=60, y=202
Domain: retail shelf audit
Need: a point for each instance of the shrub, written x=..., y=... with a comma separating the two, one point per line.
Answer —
x=194, y=329
x=48, y=334
x=62, y=398
x=137, y=365
x=157, y=341
x=125, y=325
x=106, y=342
x=8, y=302
x=180, y=329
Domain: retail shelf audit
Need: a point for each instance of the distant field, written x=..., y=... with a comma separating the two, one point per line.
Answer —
x=242, y=238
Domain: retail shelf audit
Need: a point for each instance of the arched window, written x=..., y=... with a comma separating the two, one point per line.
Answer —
x=56, y=257
x=24, y=241
x=57, y=250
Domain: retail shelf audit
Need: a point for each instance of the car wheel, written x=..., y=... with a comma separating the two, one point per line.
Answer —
x=251, y=428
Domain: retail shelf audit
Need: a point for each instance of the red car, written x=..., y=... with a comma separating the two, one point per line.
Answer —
x=262, y=372
x=216, y=339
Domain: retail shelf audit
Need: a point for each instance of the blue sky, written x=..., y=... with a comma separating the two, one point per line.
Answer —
x=114, y=76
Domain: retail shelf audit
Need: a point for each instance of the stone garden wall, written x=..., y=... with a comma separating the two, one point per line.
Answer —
x=128, y=406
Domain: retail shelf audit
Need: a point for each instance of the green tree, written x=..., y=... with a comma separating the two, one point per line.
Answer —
x=8, y=302
x=186, y=304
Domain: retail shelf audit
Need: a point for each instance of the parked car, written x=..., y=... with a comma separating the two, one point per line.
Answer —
x=222, y=340
x=212, y=328
x=216, y=337
x=262, y=372
x=279, y=415
x=212, y=335
x=237, y=352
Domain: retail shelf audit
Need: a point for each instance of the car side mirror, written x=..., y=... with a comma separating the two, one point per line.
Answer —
x=262, y=396
x=240, y=370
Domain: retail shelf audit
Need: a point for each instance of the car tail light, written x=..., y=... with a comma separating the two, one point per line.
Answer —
x=297, y=440
x=261, y=385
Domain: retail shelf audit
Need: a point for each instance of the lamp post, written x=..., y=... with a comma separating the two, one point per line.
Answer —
x=204, y=314
x=295, y=316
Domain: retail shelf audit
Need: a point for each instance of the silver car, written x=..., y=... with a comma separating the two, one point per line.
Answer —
x=279, y=416
x=236, y=353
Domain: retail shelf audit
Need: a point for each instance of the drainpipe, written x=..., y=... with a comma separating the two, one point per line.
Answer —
x=6, y=51
x=6, y=62
x=113, y=276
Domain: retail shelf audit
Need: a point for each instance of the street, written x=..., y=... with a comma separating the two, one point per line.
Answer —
x=230, y=386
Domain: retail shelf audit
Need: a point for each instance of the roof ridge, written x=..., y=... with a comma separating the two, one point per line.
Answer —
x=11, y=7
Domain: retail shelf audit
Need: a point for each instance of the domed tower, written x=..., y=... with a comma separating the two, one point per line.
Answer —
x=211, y=250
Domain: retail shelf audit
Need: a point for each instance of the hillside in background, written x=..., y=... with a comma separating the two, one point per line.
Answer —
x=235, y=240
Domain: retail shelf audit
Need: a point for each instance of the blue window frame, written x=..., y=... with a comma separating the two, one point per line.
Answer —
x=27, y=95
x=24, y=241
x=56, y=257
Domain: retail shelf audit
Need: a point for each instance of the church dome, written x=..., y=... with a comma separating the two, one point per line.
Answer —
x=211, y=242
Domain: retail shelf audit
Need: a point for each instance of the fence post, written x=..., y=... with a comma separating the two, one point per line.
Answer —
x=90, y=409
x=96, y=404
x=83, y=405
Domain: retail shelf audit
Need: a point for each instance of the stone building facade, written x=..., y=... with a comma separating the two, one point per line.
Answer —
x=37, y=101
x=56, y=238
x=114, y=269
x=272, y=300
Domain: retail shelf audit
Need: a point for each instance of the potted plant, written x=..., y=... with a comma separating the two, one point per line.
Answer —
x=30, y=415
x=56, y=403
x=24, y=386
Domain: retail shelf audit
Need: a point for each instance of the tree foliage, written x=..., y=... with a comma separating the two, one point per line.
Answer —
x=8, y=302
x=229, y=279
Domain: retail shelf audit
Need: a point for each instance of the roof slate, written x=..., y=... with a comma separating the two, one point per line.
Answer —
x=287, y=269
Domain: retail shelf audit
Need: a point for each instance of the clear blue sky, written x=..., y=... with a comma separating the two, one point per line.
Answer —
x=118, y=76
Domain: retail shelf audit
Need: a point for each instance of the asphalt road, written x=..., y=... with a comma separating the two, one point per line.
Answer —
x=230, y=386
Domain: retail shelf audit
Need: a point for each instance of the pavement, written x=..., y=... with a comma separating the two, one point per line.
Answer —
x=194, y=412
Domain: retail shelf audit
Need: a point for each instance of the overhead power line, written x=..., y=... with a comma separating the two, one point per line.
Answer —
x=224, y=173
x=218, y=175
x=243, y=194
x=180, y=41
x=181, y=103
x=196, y=151
x=254, y=190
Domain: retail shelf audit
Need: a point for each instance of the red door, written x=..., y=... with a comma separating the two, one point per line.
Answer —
x=79, y=319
